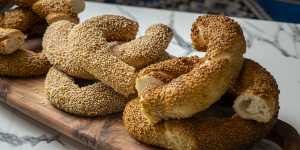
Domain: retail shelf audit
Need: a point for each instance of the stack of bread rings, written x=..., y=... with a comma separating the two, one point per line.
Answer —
x=103, y=49
x=222, y=101
x=21, y=30
x=181, y=102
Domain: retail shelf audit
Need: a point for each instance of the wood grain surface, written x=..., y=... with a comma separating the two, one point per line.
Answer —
x=105, y=133
x=29, y=97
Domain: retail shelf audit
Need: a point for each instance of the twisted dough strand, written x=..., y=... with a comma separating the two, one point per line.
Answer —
x=149, y=43
x=92, y=100
x=224, y=43
x=55, y=46
x=91, y=40
x=63, y=93
x=213, y=128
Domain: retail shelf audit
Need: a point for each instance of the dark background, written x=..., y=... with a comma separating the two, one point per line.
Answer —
x=279, y=10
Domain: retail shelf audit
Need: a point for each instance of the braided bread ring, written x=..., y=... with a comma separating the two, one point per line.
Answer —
x=208, y=129
x=64, y=94
x=91, y=41
x=92, y=100
x=224, y=42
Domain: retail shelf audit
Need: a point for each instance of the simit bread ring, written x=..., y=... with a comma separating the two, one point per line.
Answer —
x=63, y=93
x=116, y=64
x=92, y=100
x=16, y=61
x=224, y=42
x=214, y=128
x=55, y=46
x=19, y=18
x=54, y=10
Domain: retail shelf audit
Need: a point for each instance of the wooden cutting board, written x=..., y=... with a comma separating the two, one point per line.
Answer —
x=105, y=133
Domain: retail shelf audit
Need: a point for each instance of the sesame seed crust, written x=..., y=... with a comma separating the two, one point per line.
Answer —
x=19, y=18
x=23, y=63
x=54, y=10
x=16, y=61
x=56, y=49
x=205, y=130
x=137, y=52
x=92, y=100
x=225, y=44
x=117, y=65
x=255, y=83
x=209, y=129
x=98, y=46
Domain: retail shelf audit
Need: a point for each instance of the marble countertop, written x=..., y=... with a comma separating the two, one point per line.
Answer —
x=276, y=46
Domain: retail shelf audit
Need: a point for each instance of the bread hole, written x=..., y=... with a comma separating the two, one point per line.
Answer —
x=83, y=83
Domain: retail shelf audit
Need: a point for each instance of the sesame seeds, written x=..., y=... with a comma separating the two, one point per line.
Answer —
x=117, y=65
x=180, y=98
x=92, y=100
x=190, y=85
x=19, y=18
x=23, y=63
x=102, y=48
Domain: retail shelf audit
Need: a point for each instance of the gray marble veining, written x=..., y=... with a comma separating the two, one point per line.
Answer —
x=15, y=140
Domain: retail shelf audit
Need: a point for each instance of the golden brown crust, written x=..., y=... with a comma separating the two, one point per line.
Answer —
x=19, y=18
x=54, y=10
x=258, y=93
x=91, y=40
x=213, y=128
x=53, y=17
x=66, y=9
x=57, y=51
x=136, y=52
x=14, y=59
x=23, y=63
x=205, y=130
x=92, y=100
x=225, y=45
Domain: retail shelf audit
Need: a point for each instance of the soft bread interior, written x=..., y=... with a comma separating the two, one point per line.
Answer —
x=147, y=82
x=11, y=42
x=252, y=107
